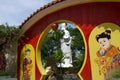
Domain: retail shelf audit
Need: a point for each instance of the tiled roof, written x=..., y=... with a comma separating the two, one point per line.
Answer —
x=40, y=9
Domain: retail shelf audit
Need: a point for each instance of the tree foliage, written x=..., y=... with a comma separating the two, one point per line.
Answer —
x=9, y=33
x=115, y=73
x=51, y=45
x=8, y=47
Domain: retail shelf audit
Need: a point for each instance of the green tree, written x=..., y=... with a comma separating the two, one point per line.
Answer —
x=50, y=45
x=78, y=48
x=115, y=73
x=8, y=47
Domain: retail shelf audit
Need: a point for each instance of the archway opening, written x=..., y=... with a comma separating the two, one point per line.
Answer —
x=62, y=51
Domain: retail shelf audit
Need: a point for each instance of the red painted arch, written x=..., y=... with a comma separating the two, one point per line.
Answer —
x=86, y=16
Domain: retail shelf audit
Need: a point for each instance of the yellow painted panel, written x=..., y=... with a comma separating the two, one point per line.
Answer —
x=94, y=45
x=27, y=63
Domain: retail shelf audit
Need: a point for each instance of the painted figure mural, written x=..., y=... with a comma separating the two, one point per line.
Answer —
x=108, y=56
x=27, y=65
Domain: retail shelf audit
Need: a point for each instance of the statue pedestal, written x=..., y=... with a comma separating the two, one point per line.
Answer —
x=68, y=77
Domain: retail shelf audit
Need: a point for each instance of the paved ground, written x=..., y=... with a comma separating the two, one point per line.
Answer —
x=7, y=78
x=11, y=79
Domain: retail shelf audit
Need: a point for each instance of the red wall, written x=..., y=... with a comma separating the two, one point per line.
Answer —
x=86, y=16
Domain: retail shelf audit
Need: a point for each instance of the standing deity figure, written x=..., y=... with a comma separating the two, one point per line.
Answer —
x=27, y=65
x=66, y=47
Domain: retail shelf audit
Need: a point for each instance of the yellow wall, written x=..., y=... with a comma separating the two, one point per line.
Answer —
x=94, y=46
x=32, y=57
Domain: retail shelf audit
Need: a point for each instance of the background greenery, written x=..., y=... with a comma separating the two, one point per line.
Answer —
x=8, y=49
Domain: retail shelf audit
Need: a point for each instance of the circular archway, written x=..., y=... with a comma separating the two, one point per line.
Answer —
x=53, y=46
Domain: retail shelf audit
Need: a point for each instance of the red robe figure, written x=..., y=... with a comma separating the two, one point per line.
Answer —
x=27, y=65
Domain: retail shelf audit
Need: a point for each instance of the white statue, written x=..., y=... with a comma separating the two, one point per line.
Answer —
x=66, y=48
